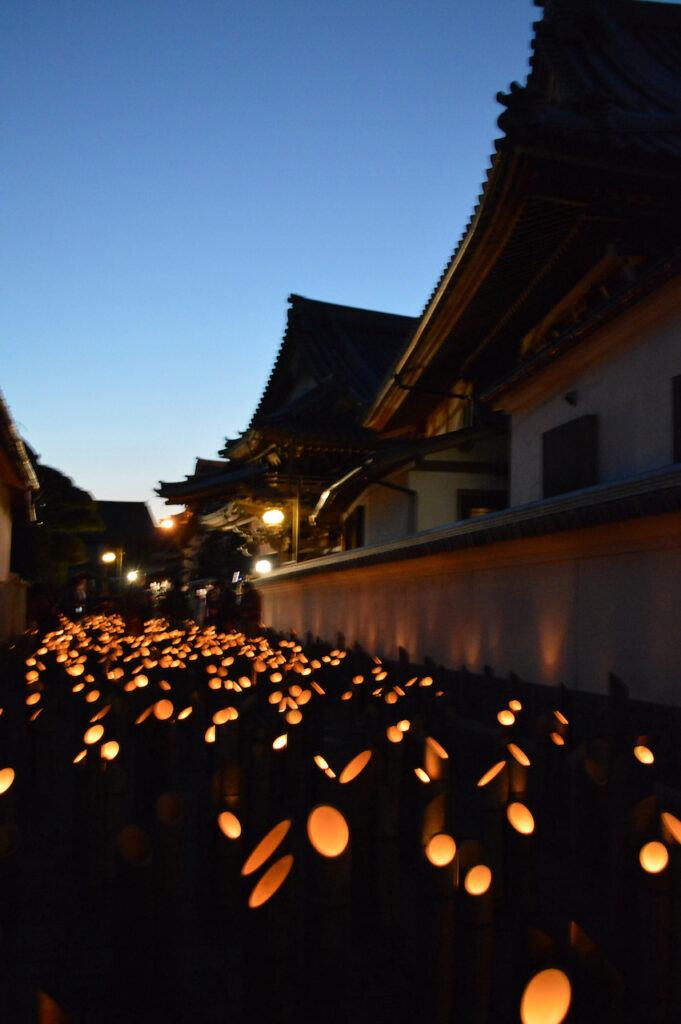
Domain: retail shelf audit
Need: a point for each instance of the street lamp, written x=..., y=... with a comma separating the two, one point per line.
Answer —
x=275, y=516
x=167, y=524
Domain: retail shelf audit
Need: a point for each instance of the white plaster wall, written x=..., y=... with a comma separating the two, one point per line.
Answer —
x=5, y=531
x=387, y=512
x=547, y=613
x=629, y=389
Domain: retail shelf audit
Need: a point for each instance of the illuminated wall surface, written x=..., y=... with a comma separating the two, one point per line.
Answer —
x=199, y=826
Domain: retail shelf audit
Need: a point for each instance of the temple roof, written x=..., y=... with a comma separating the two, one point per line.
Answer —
x=15, y=466
x=579, y=200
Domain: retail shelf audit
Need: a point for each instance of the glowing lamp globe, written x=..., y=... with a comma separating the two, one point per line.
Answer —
x=273, y=516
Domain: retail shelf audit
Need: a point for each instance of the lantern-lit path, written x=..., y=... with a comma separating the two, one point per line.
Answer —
x=468, y=822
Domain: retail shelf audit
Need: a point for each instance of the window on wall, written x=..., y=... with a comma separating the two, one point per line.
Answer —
x=353, y=529
x=676, y=413
x=471, y=504
x=570, y=456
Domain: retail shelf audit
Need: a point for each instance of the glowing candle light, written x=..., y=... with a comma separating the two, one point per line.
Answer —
x=271, y=881
x=404, y=725
x=209, y=735
x=520, y=817
x=437, y=748
x=491, y=773
x=421, y=773
x=561, y=717
x=558, y=739
x=644, y=754
x=6, y=779
x=546, y=999
x=294, y=717
x=654, y=857
x=328, y=831
x=93, y=734
x=266, y=847
x=321, y=762
x=519, y=755
x=229, y=824
x=441, y=849
x=672, y=826
x=506, y=717
x=515, y=705
x=280, y=741
x=347, y=695
x=478, y=880
x=394, y=734
x=109, y=750
x=355, y=766
x=222, y=716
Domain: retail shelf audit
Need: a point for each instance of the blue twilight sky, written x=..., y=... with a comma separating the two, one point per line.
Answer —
x=173, y=169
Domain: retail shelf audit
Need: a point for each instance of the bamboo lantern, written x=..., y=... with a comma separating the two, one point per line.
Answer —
x=475, y=923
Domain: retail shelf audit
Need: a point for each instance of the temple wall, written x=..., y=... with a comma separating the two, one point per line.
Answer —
x=5, y=530
x=564, y=608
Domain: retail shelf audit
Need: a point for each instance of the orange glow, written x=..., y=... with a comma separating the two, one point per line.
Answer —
x=328, y=831
x=318, y=688
x=394, y=734
x=478, y=880
x=271, y=881
x=229, y=824
x=94, y=734
x=519, y=755
x=109, y=750
x=32, y=677
x=520, y=818
x=79, y=757
x=654, y=857
x=222, y=716
x=558, y=739
x=426, y=681
x=6, y=779
x=390, y=697
x=92, y=696
x=421, y=773
x=280, y=742
x=437, y=748
x=77, y=687
x=644, y=755
x=75, y=670
x=347, y=695
x=355, y=766
x=404, y=725
x=275, y=697
x=506, y=717
x=266, y=847
x=33, y=698
x=294, y=717
x=546, y=999
x=561, y=717
x=441, y=850
x=144, y=715
x=102, y=713
x=330, y=773
x=163, y=710
x=135, y=845
x=672, y=825
x=515, y=705
x=358, y=680
x=491, y=773
x=321, y=762
x=209, y=734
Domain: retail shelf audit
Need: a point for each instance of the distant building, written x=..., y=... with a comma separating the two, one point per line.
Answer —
x=17, y=484
x=518, y=500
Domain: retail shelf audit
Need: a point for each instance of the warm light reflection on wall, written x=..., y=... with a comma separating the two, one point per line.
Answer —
x=266, y=847
x=441, y=849
x=546, y=999
x=271, y=881
x=654, y=857
x=328, y=831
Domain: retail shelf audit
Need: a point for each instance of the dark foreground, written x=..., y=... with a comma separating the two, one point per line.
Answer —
x=125, y=892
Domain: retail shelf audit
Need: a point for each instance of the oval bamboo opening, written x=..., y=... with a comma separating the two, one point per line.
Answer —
x=271, y=881
x=6, y=779
x=654, y=857
x=441, y=849
x=163, y=710
x=93, y=734
x=520, y=818
x=478, y=880
x=491, y=773
x=506, y=717
x=422, y=774
x=437, y=748
x=109, y=750
x=672, y=826
x=229, y=824
x=515, y=705
x=519, y=755
x=644, y=754
x=355, y=766
x=266, y=847
x=328, y=831
x=394, y=734
x=546, y=999
x=280, y=742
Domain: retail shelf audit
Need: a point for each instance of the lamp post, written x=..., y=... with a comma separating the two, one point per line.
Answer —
x=275, y=516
